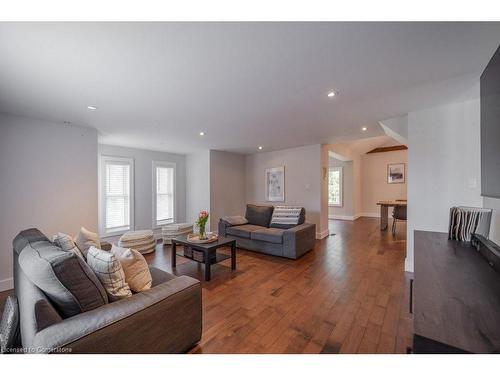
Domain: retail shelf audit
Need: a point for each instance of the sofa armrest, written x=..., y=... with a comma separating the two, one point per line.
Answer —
x=164, y=319
x=222, y=227
x=299, y=240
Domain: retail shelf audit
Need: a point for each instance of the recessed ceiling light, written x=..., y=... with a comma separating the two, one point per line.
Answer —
x=260, y=147
x=331, y=94
x=92, y=107
x=202, y=133
x=364, y=128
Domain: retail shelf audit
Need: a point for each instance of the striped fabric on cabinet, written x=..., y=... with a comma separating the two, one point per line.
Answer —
x=465, y=221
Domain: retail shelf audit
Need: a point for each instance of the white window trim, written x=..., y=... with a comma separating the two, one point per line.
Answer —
x=102, y=212
x=341, y=190
x=153, y=190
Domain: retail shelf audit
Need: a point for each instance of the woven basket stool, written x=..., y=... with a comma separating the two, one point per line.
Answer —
x=141, y=240
x=173, y=230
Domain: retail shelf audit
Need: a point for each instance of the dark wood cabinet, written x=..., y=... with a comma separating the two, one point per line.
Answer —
x=456, y=297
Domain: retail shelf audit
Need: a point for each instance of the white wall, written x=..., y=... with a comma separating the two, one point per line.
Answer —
x=48, y=181
x=357, y=183
x=374, y=180
x=346, y=153
x=227, y=185
x=443, y=166
x=347, y=209
x=143, y=184
x=303, y=180
x=494, y=203
x=197, y=185
x=396, y=128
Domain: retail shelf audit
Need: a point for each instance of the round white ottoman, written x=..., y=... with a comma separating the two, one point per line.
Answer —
x=141, y=240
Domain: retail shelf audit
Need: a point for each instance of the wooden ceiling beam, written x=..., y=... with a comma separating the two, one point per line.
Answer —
x=387, y=149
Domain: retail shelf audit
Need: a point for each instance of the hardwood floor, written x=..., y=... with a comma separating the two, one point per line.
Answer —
x=348, y=295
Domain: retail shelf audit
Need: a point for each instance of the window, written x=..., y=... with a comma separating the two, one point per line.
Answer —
x=116, y=195
x=335, y=186
x=163, y=193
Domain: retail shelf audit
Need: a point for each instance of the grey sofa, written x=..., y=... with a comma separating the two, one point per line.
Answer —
x=257, y=235
x=164, y=319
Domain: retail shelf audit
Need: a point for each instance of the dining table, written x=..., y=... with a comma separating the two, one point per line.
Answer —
x=384, y=210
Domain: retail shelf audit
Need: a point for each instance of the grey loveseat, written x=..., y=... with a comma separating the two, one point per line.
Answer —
x=257, y=235
x=164, y=319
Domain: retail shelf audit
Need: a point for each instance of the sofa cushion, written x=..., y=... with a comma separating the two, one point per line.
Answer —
x=109, y=271
x=64, y=277
x=45, y=315
x=273, y=235
x=259, y=215
x=160, y=276
x=243, y=230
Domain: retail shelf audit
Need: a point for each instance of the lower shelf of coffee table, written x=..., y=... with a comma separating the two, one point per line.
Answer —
x=218, y=258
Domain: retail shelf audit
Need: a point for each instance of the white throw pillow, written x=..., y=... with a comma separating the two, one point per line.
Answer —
x=136, y=268
x=109, y=271
x=85, y=239
x=66, y=243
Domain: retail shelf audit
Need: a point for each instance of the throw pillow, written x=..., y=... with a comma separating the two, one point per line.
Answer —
x=85, y=239
x=135, y=267
x=9, y=326
x=234, y=220
x=67, y=281
x=66, y=243
x=286, y=217
x=259, y=215
x=109, y=271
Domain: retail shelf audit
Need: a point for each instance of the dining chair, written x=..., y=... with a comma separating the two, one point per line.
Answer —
x=399, y=213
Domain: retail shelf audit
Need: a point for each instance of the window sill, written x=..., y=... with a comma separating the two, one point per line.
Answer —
x=115, y=233
x=159, y=226
x=336, y=205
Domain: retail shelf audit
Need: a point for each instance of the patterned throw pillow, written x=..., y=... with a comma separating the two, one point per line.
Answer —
x=66, y=243
x=136, y=268
x=9, y=325
x=286, y=217
x=85, y=239
x=109, y=271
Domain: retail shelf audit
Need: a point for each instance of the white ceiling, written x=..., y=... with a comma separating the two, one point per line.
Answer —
x=157, y=85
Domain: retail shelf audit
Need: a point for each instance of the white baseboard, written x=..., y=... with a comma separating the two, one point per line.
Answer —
x=321, y=235
x=343, y=217
x=369, y=214
x=6, y=284
x=408, y=265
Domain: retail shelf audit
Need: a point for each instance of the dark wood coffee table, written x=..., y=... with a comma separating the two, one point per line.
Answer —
x=209, y=249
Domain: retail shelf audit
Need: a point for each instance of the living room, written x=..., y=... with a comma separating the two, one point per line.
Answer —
x=248, y=188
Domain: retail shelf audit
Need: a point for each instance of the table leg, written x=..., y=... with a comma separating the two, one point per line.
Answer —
x=207, y=266
x=174, y=253
x=384, y=217
x=233, y=256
